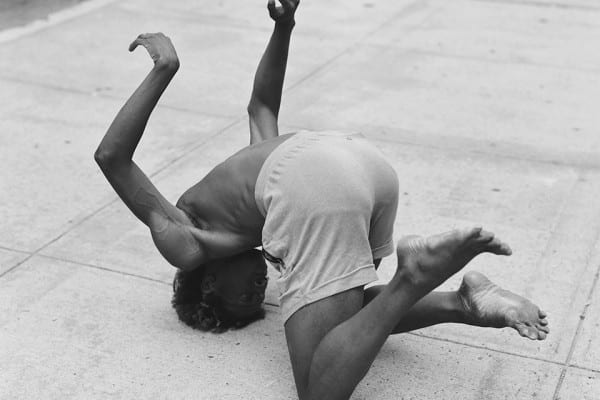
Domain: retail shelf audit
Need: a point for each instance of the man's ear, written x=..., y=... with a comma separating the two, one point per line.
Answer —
x=208, y=284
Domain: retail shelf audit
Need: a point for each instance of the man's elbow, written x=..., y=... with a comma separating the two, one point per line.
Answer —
x=103, y=157
x=107, y=159
x=251, y=108
x=255, y=106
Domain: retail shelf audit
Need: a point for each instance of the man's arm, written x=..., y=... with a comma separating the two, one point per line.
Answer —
x=172, y=232
x=263, y=108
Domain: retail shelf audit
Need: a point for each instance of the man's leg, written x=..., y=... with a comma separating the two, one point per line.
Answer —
x=478, y=302
x=337, y=337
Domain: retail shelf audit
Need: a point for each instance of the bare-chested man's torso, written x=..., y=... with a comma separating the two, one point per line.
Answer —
x=223, y=202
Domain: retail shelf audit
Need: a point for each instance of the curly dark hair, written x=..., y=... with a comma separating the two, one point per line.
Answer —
x=204, y=311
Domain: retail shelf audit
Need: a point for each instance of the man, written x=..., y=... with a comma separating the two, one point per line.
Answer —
x=322, y=205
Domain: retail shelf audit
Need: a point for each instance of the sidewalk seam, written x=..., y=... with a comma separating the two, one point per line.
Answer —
x=119, y=272
x=109, y=97
x=14, y=250
x=567, y=364
x=421, y=335
x=539, y=4
x=496, y=61
x=475, y=346
x=454, y=147
x=359, y=42
x=508, y=353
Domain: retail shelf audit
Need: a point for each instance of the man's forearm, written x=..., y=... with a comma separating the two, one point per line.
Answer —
x=126, y=130
x=268, y=81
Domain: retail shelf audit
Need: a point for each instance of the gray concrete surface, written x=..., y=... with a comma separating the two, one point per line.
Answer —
x=486, y=109
x=14, y=13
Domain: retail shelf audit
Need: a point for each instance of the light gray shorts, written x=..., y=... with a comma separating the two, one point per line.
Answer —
x=329, y=200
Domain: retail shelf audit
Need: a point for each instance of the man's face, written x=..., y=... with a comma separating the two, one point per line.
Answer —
x=241, y=285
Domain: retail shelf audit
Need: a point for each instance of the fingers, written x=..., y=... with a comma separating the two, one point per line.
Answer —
x=138, y=41
x=289, y=4
x=286, y=6
x=134, y=44
x=143, y=39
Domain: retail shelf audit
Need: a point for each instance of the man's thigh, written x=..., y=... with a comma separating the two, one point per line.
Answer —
x=305, y=329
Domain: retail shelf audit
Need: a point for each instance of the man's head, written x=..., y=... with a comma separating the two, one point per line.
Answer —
x=222, y=294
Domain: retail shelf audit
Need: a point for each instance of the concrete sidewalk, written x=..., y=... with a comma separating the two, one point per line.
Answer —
x=488, y=111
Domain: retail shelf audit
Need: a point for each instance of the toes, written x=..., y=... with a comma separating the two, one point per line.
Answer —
x=487, y=239
x=484, y=236
x=541, y=335
x=522, y=329
x=474, y=232
x=542, y=314
x=543, y=328
x=496, y=246
x=506, y=249
x=527, y=332
x=543, y=322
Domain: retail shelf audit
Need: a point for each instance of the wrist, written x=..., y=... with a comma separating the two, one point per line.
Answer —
x=166, y=66
x=288, y=24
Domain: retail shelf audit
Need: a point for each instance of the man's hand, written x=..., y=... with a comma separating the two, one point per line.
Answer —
x=160, y=49
x=285, y=13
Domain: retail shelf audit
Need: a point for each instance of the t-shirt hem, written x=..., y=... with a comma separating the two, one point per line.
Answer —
x=383, y=251
x=358, y=277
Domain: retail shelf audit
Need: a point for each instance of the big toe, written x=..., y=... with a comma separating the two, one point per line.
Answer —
x=497, y=246
x=526, y=331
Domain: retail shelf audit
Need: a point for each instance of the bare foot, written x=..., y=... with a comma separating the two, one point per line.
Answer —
x=430, y=261
x=487, y=304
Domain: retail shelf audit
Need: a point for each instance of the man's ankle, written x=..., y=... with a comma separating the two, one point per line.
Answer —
x=408, y=285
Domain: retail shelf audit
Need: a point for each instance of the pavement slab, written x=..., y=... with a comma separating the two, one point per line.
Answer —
x=50, y=146
x=411, y=367
x=9, y=259
x=586, y=352
x=15, y=13
x=486, y=109
x=405, y=95
x=95, y=333
x=539, y=209
x=580, y=385
x=342, y=21
x=218, y=61
x=523, y=33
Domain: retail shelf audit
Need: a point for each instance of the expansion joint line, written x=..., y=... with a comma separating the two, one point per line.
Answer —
x=582, y=316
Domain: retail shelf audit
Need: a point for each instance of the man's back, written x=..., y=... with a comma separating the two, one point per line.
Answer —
x=223, y=202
